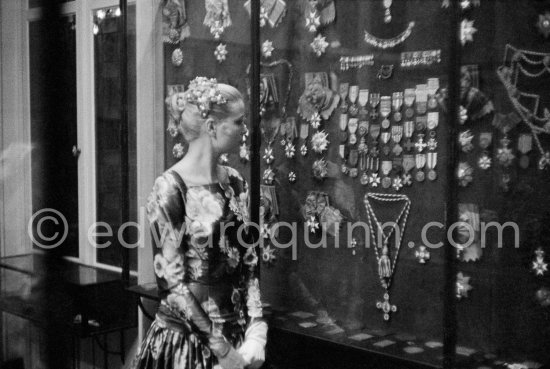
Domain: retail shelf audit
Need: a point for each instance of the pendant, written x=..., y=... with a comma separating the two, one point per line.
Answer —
x=303, y=150
x=387, y=11
x=386, y=307
x=268, y=176
x=543, y=24
x=313, y=21
x=220, y=53
x=319, y=45
x=312, y=224
x=177, y=57
x=267, y=49
x=467, y=31
x=539, y=266
x=385, y=71
x=422, y=254
x=465, y=139
x=290, y=150
x=462, y=285
x=420, y=145
x=268, y=155
x=291, y=177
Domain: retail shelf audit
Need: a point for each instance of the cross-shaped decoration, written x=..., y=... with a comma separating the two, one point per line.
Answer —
x=422, y=254
x=420, y=144
x=374, y=115
x=386, y=307
x=408, y=145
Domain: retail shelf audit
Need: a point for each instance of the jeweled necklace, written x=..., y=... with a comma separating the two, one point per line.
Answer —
x=386, y=268
x=508, y=74
x=386, y=43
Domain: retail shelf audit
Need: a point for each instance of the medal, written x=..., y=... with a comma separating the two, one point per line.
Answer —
x=385, y=110
x=421, y=123
x=431, y=162
x=397, y=133
x=408, y=128
x=342, y=151
x=485, y=139
x=374, y=131
x=364, y=179
x=525, y=145
x=409, y=97
x=420, y=145
x=397, y=102
x=408, y=163
x=352, y=127
x=353, y=157
x=397, y=183
x=374, y=101
x=433, y=120
x=421, y=98
x=353, y=172
x=343, y=92
x=363, y=100
x=386, y=169
x=432, y=143
x=420, y=161
x=397, y=164
x=484, y=162
x=343, y=136
x=363, y=128
x=408, y=145
x=353, y=94
x=433, y=86
x=397, y=150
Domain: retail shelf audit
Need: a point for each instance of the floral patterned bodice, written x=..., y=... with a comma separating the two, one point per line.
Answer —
x=196, y=245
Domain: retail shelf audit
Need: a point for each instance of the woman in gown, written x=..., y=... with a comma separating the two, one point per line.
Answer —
x=205, y=264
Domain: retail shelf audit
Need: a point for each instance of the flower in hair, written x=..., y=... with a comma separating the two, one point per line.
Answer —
x=203, y=92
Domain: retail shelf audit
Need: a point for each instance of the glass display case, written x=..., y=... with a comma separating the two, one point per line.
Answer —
x=367, y=181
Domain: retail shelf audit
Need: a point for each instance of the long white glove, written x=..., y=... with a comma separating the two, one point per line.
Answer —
x=253, y=348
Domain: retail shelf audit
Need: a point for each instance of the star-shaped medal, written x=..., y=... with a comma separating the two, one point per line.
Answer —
x=467, y=31
x=319, y=45
x=313, y=21
x=462, y=285
x=374, y=180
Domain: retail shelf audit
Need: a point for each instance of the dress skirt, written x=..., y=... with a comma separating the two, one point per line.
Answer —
x=171, y=344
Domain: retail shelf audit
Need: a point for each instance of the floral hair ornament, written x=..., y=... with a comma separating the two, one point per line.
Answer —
x=203, y=92
x=317, y=97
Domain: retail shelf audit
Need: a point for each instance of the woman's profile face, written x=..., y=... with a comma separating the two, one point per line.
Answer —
x=231, y=129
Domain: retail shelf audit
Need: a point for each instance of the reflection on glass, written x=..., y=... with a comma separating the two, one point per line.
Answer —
x=54, y=167
x=108, y=129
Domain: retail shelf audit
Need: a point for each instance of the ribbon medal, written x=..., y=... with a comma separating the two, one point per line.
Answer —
x=353, y=94
x=385, y=110
x=374, y=101
x=363, y=100
x=397, y=102
x=352, y=127
x=409, y=97
x=343, y=92
x=421, y=98
x=433, y=119
x=430, y=164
